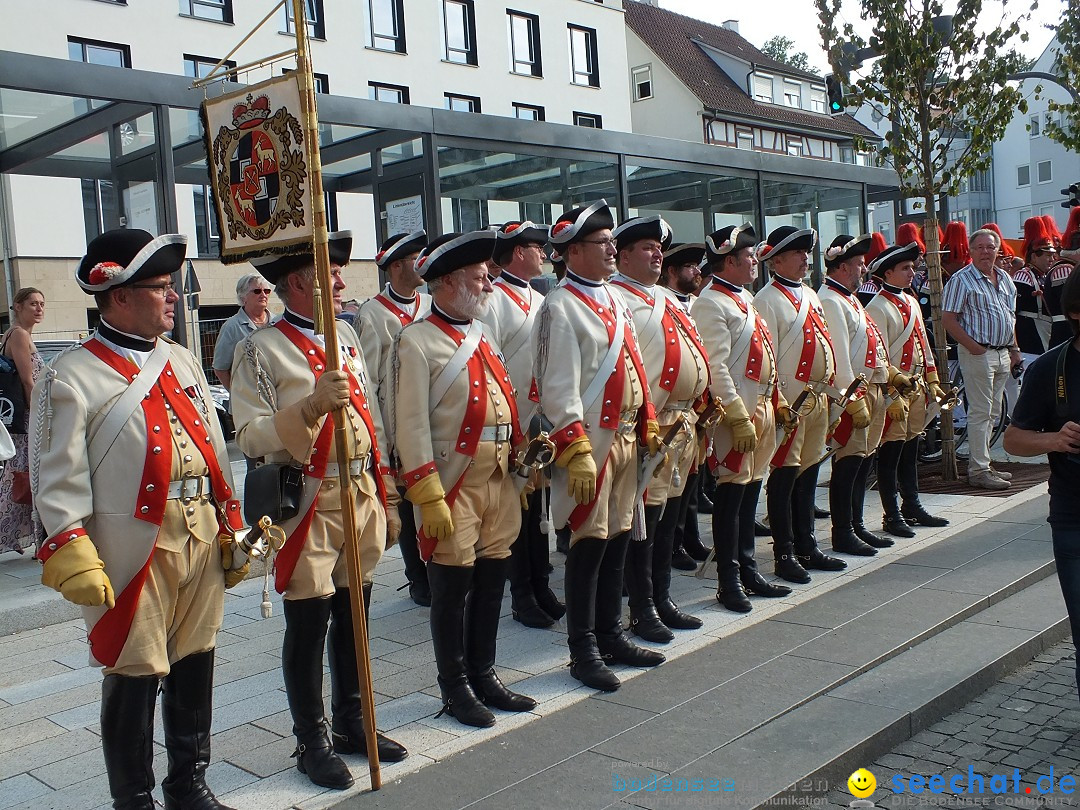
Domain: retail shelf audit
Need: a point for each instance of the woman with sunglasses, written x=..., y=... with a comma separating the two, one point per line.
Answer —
x=253, y=295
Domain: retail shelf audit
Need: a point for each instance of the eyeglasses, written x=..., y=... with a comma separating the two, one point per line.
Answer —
x=260, y=290
x=164, y=289
x=602, y=242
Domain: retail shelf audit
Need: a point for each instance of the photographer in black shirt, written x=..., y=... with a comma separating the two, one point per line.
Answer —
x=1046, y=419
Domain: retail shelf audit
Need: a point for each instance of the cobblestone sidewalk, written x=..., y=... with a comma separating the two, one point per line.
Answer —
x=1024, y=727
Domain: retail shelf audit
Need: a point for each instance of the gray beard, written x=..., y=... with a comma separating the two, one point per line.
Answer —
x=471, y=306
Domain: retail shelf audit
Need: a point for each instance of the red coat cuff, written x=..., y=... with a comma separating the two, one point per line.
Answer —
x=58, y=541
x=564, y=437
x=423, y=471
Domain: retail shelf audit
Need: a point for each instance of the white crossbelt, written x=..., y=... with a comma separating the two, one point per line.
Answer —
x=679, y=405
x=496, y=433
x=357, y=466
x=196, y=486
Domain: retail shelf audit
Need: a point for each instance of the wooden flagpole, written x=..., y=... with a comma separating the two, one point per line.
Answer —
x=325, y=307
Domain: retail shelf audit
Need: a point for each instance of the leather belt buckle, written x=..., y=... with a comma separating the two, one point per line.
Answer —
x=496, y=433
x=189, y=488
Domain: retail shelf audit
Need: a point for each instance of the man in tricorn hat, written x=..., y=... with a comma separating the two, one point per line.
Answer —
x=677, y=367
x=594, y=391
x=511, y=316
x=377, y=323
x=897, y=315
x=742, y=367
x=805, y=363
x=860, y=350
x=283, y=395
x=132, y=482
x=452, y=402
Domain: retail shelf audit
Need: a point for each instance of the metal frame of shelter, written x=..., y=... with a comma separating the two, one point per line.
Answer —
x=363, y=143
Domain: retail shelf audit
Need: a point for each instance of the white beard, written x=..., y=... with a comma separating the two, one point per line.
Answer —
x=471, y=306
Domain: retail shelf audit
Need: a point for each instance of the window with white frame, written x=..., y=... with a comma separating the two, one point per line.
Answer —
x=1023, y=176
x=792, y=93
x=590, y=120
x=459, y=103
x=1045, y=170
x=524, y=32
x=1025, y=215
x=393, y=93
x=763, y=88
x=817, y=99
x=744, y=140
x=641, y=78
x=584, y=67
x=528, y=112
x=1034, y=128
x=313, y=11
x=459, y=27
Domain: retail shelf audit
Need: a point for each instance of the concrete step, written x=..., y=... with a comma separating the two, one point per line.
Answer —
x=811, y=692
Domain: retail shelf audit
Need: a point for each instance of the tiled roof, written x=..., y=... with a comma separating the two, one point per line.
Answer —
x=672, y=38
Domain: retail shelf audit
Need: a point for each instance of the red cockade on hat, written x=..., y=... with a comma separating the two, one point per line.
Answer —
x=561, y=226
x=104, y=271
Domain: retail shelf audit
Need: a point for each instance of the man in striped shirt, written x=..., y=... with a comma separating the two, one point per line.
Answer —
x=979, y=312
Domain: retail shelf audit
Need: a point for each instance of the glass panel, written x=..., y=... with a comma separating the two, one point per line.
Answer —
x=810, y=206
x=24, y=115
x=136, y=134
x=402, y=151
x=479, y=186
x=457, y=31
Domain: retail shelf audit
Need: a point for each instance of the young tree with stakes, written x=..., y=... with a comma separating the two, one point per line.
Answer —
x=943, y=83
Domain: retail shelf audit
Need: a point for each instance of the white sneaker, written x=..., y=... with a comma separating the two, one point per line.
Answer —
x=987, y=480
x=1004, y=476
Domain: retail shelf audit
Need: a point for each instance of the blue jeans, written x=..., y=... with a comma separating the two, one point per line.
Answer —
x=1067, y=557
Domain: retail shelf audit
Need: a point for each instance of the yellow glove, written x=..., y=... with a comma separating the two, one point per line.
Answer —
x=860, y=413
x=331, y=392
x=903, y=383
x=78, y=573
x=232, y=576
x=393, y=524
x=743, y=433
x=652, y=436
x=578, y=461
x=435, y=518
x=898, y=410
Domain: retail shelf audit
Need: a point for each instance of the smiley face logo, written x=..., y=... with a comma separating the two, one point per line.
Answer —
x=862, y=784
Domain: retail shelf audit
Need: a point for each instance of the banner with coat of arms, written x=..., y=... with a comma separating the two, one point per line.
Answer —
x=258, y=170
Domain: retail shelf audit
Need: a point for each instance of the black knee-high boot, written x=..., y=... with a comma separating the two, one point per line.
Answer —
x=888, y=461
x=691, y=533
x=611, y=639
x=523, y=605
x=186, y=701
x=415, y=568
x=802, y=524
x=727, y=503
x=858, y=500
x=347, y=723
x=752, y=580
x=666, y=609
x=301, y=666
x=127, y=739
x=908, y=478
x=779, y=505
x=482, y=609
x=844, y=540
x=582, y=571
x=644, y=620
x=450, y=586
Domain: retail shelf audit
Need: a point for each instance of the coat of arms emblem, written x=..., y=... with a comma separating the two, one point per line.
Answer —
x=258, y=169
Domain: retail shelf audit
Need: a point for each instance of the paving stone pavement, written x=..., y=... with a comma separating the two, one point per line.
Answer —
x=1024, y=727
x=50, y=754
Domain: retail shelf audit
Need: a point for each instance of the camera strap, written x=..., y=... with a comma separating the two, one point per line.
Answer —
x=1061, y=395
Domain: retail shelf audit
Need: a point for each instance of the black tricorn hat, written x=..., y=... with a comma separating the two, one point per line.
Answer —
x=684, y=253
x=846, y=247
x=729, y=239
x=787, y=238
x=452, y=251
x=578, y=223
x=893, y=255
x=123, y=256
x=513, y=234
x=638, y=228
x=274, y=267
x=399, y=246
